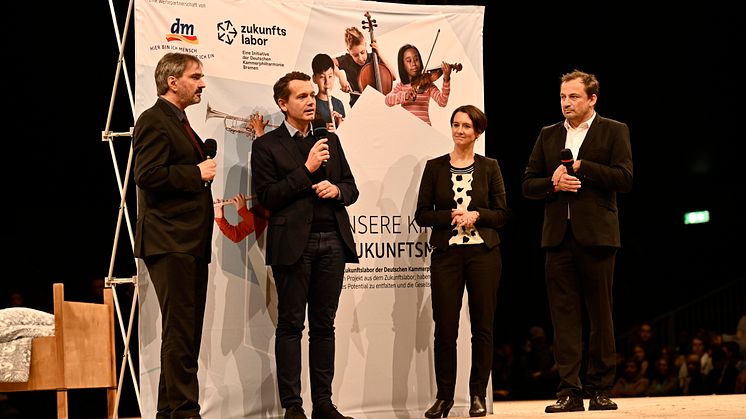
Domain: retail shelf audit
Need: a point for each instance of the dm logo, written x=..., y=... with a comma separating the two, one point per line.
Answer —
x=226, y=32
x=182, y=32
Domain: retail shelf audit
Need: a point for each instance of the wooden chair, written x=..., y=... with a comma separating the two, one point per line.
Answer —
x=81, y=354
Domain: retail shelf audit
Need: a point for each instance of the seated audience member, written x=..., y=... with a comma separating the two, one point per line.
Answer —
x=503, y=366
x=645, y=338
x=739, y=336
x=722, y=378
x=741, y=377
x=539, y=375
x=693, y=384
x=639, y=354
x=664, y=381
x=15, y=298
x=633, y=383
x=699, y=348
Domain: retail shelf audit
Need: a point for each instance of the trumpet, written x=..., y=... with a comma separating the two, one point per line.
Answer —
x=223, y=202
x=237, y=124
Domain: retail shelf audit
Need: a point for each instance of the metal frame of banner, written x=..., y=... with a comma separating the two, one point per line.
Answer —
x=110, y=136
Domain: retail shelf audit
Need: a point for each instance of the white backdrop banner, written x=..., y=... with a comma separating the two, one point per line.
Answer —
x=384, y=327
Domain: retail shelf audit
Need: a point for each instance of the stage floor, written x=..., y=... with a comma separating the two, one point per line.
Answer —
x=731, y=406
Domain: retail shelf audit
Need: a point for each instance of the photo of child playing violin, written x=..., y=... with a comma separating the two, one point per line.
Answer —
x=254, y=219
x=415, y=88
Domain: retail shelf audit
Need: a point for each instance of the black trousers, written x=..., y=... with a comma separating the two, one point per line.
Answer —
x=180, y=282
x=576, y=276
x=478, y=269
x=316, y=281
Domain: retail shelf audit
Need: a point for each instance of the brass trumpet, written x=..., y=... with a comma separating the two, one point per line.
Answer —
x=237, y=125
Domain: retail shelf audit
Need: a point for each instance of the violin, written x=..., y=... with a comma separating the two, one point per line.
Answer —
x=422, y=81
x=374, y=73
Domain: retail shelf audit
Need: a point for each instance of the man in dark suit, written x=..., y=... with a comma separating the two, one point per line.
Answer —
x=174, y=226
x=306, y=183
x=581, y=236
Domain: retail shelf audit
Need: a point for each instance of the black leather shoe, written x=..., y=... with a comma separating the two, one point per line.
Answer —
x=478, y=407
x=566, y=404
x=601, y=401
x=439, y=409
x=295, y=412
x=327, y=410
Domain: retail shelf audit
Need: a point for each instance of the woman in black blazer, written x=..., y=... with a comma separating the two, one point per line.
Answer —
x=462, y=198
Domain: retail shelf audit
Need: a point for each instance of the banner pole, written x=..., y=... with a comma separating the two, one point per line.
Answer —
x=110, y=281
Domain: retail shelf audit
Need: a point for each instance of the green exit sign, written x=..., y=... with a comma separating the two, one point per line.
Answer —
x=697, y=217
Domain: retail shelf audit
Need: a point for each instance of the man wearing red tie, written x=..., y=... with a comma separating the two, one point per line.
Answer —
x=174, y=226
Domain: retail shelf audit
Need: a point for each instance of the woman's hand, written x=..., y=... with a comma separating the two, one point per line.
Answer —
x=464, y=218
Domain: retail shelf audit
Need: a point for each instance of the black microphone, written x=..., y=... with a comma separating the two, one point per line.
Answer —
x=211, y=149
x=567, y=160
x=320, y=133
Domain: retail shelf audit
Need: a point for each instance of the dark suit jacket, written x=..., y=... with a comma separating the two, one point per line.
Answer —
x=175, y=212
x=283, y=185
x=435, y=200
x=606, y=169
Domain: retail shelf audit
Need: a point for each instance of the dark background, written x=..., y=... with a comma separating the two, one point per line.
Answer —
x=673, y=73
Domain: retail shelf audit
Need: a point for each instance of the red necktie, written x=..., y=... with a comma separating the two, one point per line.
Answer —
x=193, y=137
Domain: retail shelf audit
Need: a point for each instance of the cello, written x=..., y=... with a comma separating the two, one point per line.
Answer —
x=374, y=73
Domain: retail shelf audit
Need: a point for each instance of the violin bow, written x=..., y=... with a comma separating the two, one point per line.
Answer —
x=431, y=51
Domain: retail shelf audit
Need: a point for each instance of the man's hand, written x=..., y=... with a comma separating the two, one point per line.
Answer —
x=319, y=153
x=326, y=189
x=564, y=182
x=207, y=170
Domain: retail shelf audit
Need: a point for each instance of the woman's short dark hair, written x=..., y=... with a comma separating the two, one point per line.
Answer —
x=478, y=118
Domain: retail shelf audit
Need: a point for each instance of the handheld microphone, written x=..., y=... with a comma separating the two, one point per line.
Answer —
x=567, y=160
x=211, y=149
x=321, y=133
